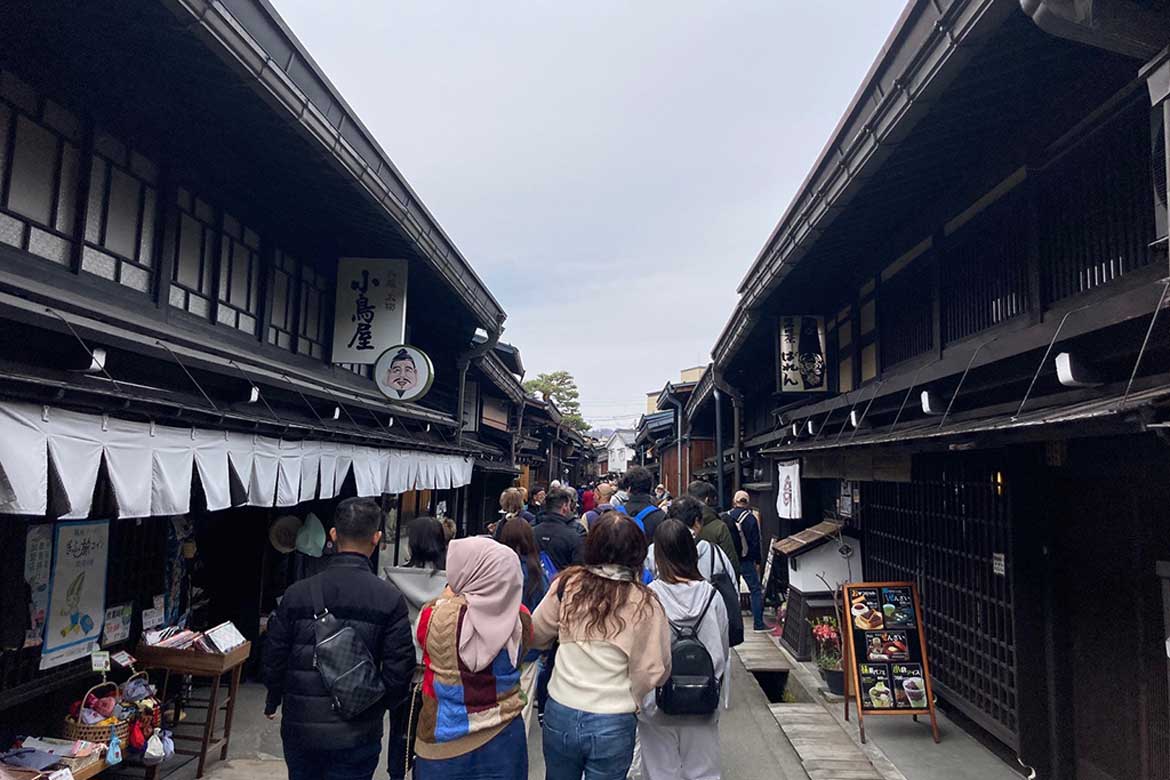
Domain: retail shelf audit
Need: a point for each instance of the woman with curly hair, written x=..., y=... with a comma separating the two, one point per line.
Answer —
x=614, y=649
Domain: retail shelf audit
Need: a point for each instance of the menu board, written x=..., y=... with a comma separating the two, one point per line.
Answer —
x=886, y=651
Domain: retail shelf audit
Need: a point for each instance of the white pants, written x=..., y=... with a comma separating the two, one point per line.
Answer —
x=679, y=748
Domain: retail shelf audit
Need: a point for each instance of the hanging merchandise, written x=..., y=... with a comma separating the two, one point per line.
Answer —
x=311, y=537
x=282, y=534
x=77, y=591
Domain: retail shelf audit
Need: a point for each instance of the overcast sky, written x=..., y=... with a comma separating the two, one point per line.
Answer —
x=610, y=169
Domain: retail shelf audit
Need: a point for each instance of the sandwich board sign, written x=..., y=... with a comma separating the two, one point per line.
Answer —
x=885, y=652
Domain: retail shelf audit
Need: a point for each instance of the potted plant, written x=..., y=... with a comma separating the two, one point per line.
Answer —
x=826, y=633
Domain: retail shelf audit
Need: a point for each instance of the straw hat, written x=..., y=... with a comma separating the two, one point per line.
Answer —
x=282, y=534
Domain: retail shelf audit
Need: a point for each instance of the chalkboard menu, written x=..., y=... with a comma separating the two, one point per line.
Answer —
x=886, y=652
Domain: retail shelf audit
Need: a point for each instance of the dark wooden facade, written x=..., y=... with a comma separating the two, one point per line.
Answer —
x=176, y=186
x=994, y=198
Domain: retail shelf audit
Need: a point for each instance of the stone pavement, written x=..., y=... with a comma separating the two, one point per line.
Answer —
x=753, y=746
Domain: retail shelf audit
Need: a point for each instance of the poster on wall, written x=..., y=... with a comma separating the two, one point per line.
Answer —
x=77, y=591
x=370, y=311
x=38, y=566
x=803, y=366
x=404, y=373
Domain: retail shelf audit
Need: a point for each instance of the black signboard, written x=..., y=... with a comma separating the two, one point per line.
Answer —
x=885, y=648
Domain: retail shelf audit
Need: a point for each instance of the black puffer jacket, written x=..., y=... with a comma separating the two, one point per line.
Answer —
x=377, y=611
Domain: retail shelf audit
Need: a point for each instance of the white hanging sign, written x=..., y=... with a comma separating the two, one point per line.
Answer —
x=788, y=490
x=370, y=312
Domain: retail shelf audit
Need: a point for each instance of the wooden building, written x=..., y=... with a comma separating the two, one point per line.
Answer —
x=956, y=334
x=178, y=181
x=679, y=449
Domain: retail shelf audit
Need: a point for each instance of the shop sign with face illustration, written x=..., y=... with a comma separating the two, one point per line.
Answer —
x=802, y=355
x=404, y=373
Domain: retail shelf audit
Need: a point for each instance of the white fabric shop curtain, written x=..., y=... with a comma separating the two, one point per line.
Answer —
x=151, y=466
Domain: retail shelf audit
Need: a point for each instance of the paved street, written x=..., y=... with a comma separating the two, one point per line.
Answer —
x=752, y=744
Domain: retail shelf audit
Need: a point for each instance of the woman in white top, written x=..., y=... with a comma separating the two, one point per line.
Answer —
x=712, y=560
x=684, y=747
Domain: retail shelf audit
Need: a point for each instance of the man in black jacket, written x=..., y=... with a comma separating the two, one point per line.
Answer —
x=318, y=743
x=641, y=481
x=557, y=531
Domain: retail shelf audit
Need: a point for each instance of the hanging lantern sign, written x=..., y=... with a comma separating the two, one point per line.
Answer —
x=802, y=355
x=404, y=373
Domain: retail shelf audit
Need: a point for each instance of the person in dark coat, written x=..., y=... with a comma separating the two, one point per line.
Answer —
x=557, y=531
x=641, y=482
x=714, y=530
x=318, y=743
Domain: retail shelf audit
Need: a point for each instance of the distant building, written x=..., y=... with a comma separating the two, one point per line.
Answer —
x=617, y=453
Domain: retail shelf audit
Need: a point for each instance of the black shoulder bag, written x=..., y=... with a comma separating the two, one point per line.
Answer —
x=344, y=662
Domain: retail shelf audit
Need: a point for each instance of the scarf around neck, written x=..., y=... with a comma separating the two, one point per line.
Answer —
x=611, y=571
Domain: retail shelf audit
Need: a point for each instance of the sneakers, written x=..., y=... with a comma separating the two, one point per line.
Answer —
x=761, y=629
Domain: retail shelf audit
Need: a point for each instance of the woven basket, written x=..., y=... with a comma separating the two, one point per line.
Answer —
x=75, y=730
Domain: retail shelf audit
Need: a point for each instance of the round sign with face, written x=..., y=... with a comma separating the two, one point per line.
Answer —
x=404, y=373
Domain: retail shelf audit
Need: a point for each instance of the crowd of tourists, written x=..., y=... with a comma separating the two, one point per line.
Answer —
x=603, y=616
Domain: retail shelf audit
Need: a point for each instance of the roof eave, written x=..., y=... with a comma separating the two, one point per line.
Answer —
x=222, y=29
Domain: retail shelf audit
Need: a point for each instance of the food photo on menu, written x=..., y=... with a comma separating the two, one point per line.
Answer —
x=865, y=609
x=874, y=684
x=909, y=687
x=898, y=607
x=886, y=646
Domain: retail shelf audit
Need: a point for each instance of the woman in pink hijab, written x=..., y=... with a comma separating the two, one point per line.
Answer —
x=473, y=637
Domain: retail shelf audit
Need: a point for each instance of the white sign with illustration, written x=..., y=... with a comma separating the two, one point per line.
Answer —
x=370, y=315
x=77, y=590
x=404, y=373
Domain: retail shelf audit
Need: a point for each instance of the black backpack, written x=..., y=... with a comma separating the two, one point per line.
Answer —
x=729, y=589
x=692, y=688
x=344, y=662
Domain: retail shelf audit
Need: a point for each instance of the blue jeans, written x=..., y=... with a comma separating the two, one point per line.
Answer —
x=355, y=763
x=577, y=743
x=752, y=577
x=504, y=757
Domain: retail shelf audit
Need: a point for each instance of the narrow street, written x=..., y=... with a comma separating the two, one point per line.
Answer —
x=752, y=745
x=592, y=358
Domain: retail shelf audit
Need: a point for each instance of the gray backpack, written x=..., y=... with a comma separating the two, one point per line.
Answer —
x=347, y=669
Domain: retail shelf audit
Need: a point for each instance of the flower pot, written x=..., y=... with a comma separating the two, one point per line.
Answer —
x=835, y=680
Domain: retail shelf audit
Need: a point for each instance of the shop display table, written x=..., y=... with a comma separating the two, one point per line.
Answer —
x=212, y=667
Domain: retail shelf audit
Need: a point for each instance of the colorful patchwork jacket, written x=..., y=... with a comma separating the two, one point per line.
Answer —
x=462, y=709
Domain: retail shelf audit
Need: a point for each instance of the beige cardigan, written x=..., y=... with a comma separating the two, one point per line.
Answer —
x=645, y=641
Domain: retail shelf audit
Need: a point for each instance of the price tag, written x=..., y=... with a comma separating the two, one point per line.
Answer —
x=62, y=774
x=100, y=661
x=123, y=659
x=152, y=618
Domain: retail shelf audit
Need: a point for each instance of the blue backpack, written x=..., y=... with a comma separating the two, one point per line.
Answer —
x=640, y=520
x=550, y=568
